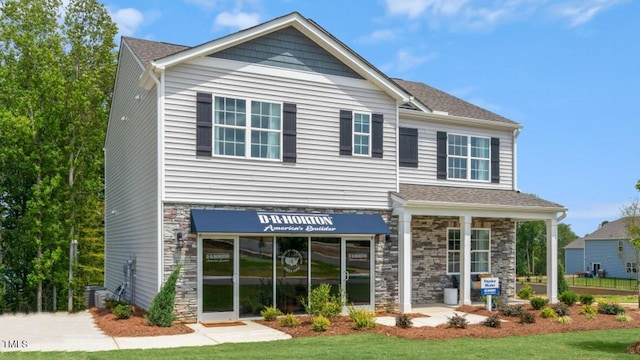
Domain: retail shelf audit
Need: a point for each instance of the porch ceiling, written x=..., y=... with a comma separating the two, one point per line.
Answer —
x=508, y=202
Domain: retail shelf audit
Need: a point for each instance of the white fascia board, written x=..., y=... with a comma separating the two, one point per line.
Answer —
x=457, y=120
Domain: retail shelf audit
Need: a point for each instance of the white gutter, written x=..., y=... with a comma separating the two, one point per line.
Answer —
x=516, y=133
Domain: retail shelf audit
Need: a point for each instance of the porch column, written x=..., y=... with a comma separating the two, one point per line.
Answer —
x=465, y=260
x=552, y=260
x=404, y=262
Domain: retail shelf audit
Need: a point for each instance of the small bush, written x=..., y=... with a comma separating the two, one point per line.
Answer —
x=587, y=299
x=161, y=308
x=322, y=302
x=525, y=292
x=589, y=311
x=611, y=308
x=289, y=320
x=403, y=321
x=123, y=311
x=568, y=297
x=511, y=310
x=548, y=313
x=564, y=319
x=538, y=303
x=561, y=309
x=623, y=318
x=527, y=317
x=458, y=321
x=112, y=304
x=320, y=323
x=270, y=313
x=492, y=321
x=362, y=318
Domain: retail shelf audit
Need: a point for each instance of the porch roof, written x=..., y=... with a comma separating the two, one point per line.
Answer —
x=412, y=195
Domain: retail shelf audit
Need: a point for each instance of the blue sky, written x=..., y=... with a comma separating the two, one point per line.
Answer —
x=567, y=70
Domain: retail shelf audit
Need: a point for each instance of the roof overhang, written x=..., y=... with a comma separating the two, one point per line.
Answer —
x=305, y=26
x=457, y=120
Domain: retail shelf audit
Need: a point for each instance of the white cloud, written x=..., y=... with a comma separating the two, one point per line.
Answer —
x=238, y=20
x=205, y=4
x=583, y=11
x=416, y=8
x=381, y=35
x=128, y=20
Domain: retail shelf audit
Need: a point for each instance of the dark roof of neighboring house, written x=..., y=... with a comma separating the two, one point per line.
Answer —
x=461, y=195
x=434, y=99
x=576, y=244
x=438, y=100
x=614, y=230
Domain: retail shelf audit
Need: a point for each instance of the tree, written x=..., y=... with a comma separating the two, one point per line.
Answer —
x=531, y=251
x=631, y=216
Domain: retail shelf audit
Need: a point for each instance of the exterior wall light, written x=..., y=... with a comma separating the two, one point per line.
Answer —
x=179, y=238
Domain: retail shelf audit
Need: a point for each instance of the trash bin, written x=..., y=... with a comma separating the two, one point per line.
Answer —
x=450, y=296
x=602, y=273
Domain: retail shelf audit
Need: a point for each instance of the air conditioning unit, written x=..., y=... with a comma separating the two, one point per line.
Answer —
x=100, y=297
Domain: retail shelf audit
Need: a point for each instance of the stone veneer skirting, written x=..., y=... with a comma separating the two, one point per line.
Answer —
x=177, y=217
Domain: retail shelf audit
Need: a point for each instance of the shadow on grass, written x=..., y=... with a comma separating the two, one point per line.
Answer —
x=611, y=347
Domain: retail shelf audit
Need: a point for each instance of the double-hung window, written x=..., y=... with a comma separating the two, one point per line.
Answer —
x=361, y=134
x=480, y=251
x=468, y=157
x=253, y=131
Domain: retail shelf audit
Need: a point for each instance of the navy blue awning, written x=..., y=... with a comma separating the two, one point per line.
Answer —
x=264, y=222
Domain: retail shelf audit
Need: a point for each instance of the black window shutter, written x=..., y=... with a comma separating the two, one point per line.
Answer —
x=377, y=135
x=289, y=113
x=204, y=120
x=408, y=147
x=495, y=160
x=442, y=155
x=346, y=128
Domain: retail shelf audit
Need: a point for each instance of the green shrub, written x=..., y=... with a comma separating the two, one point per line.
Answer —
x=527, y=317
x=404, y=321
x=161, y=309
x=587, y=299
x=538, y=303
x=568, y=297
x=492, y=321
x=548, y=313
x=458, y=321
x=320, y=323
x=561, y=309
x=322, y=302
x=123, y=311
x=611, y=308
x=623, y=318
x=362, y=318
x=562, y=281
x=112, y=304
x=511, y=310
x=270, y=313
x=525, y=292
x=589, y=311
x=289, y=320
x=564, y=319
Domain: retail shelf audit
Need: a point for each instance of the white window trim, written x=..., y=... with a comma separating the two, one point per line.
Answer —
x=620, y=246
x=472, y=251
x=469, y=158
x=354, y=133
x=248, y=129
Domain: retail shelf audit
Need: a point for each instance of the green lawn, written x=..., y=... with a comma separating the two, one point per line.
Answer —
x=608, y=344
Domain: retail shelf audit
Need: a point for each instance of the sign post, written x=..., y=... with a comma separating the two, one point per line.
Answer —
x=489, y=287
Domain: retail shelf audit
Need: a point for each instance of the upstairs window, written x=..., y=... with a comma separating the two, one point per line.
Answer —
x=361, y=134
x=468, y=157
x=235, y=135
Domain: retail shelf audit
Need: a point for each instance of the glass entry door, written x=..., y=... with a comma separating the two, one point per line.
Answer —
x=357, y=275
x=218, y=280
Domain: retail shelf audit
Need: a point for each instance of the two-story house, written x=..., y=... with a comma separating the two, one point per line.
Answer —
x=276, y=158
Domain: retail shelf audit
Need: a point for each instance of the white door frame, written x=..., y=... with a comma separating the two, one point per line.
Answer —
x=345, y=274
x=226, y=315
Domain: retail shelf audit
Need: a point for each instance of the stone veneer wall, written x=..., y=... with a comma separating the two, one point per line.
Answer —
x=177, y=216
x=429, y=260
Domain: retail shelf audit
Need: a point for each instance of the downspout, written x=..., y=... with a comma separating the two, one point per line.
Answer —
x=516, y=133
x=160, y=167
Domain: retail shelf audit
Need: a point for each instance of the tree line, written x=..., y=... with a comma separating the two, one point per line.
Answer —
x=57, y=66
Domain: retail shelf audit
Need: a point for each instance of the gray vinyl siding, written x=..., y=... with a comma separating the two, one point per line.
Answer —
x=287, y=48
x=131, y=224
x=606, y=253
x=574, y=261
x=425, y=173
x=320, y=177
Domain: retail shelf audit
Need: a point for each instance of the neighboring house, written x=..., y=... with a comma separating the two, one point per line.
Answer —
x=574, y=257
x=607, y=252
x=275, y=159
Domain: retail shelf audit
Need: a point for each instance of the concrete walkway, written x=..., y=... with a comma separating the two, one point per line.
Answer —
x=78, y=332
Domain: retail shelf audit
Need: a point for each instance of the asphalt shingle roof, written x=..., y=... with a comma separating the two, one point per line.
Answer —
x=147, y=50
x=614, y=230
x=576, y=244
x=463, y=195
